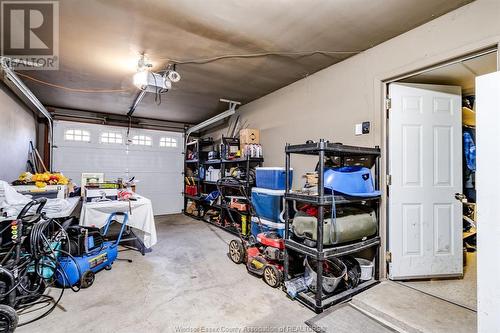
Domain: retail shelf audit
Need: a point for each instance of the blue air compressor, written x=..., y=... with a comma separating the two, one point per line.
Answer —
x=87, y=252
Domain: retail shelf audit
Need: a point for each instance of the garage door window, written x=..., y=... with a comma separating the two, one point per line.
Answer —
x=111, y=137
x=77, y=135
x=168, y=142
x=142, y=140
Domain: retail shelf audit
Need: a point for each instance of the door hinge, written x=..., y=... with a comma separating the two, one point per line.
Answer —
x=388, y=180
x=388, y=104
x=388, y=256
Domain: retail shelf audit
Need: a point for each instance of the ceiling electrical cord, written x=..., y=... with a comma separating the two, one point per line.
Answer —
x=198, y=61
x=257, y=55
x=72, y=89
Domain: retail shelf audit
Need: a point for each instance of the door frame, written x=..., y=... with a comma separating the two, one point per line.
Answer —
x=383, y=83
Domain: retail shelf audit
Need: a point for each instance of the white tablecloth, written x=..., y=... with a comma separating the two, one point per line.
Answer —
x=97, y=213
x=54, y=212
x=72, y=203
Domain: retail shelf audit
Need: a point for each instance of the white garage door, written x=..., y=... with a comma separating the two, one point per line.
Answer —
x=153, y=157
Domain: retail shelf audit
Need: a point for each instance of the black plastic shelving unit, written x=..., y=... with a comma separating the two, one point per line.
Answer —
x=236, y=187
x=319, y=301
x=205, y=187
x=193, y=164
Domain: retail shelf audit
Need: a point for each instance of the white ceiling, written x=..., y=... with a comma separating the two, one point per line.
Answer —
x=460, y=74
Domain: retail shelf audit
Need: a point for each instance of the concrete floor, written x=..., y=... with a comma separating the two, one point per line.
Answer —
x=438, y=306
x=409, y=310
x=187, y=282
x=460, y=291
x=395, y=307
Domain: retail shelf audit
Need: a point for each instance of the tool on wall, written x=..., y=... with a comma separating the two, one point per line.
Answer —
x=37, y=159
x=32, y=159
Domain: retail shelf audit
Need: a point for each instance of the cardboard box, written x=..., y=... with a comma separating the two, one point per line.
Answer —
x=249, y=136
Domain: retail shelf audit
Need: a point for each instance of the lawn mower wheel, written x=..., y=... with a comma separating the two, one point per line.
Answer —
x=236, y=251
x=272, y=276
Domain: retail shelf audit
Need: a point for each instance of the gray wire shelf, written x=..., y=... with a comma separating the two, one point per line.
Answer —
x=331, y=149
x=327, y=199
x=308, y=298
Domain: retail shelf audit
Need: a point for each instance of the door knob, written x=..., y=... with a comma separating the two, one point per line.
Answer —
x=461, y=197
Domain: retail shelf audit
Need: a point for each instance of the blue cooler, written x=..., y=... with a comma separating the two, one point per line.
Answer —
x=266, y=226
x=272, y=178
x=268, y=204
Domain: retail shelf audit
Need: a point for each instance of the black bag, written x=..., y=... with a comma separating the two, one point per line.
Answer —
x=81, y=240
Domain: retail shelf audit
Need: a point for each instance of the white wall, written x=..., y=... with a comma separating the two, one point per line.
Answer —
x=328, y=103
x=17, y=129
x=488, y=197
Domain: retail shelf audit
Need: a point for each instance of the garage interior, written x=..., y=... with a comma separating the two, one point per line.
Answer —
x=174, y=164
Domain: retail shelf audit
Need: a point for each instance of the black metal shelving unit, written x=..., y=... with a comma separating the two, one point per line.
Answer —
x=319, y=301
x=193, y=164
x=205, y=187
x=226, y=212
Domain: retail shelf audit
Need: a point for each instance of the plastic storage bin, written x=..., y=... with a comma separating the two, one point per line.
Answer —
x=266, y=226
x=268, y=204
x=366, y=269
x=272, y=178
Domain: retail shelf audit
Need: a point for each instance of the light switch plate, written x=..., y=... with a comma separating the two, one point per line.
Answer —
x=358, y=129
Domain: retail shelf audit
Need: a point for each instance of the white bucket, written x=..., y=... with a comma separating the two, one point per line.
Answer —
x=366, y=269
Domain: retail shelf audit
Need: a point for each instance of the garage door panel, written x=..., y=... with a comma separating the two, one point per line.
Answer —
x=158, y=169
x=75, y=158
x=162, y=181
x=151, y=161
x=165, y=203
x=75, y=177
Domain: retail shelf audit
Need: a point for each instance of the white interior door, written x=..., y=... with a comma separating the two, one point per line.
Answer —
x=425, y=164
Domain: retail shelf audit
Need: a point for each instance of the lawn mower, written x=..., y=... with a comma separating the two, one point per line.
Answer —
x=263, y=258
x=88, y=252
x=263, y=255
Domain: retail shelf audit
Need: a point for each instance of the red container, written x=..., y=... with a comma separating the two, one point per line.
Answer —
x=191, y=190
